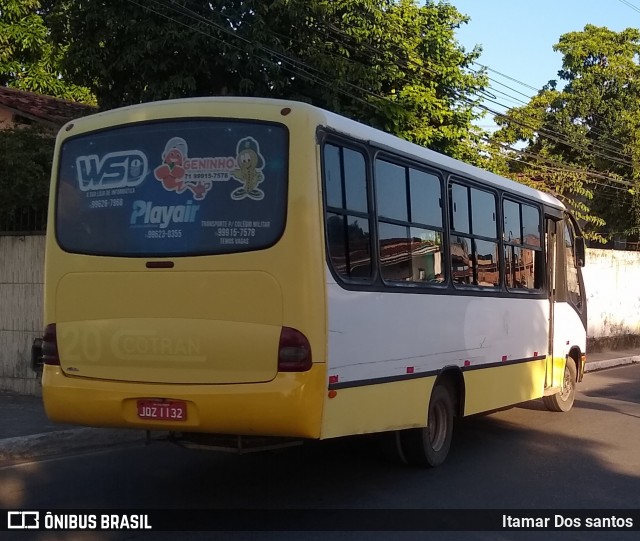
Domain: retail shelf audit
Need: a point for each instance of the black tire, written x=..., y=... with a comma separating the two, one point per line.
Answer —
x=429, y=446
x=563, y=400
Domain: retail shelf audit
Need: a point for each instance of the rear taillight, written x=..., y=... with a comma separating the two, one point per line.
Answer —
x=50, y=345
x=294, y=351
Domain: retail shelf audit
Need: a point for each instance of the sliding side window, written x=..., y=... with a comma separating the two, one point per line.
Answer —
x=522, y=246
x=347, y=212
x=409, y=224
x=573, y=281
x=474, y=237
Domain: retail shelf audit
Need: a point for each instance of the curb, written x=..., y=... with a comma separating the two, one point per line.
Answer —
x=593, y=366
x=59, y=442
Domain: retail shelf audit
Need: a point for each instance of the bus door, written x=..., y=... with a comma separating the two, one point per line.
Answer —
x=568, y=311
x=552, y=241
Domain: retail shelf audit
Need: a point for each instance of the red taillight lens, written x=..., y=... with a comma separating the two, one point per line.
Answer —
x=294, y=351
x=50, y=345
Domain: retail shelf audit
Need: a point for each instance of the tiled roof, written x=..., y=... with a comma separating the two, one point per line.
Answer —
x=42, y=108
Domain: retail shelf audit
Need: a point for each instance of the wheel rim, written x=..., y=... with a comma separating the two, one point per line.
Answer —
x=566, y=384
x=438, y=426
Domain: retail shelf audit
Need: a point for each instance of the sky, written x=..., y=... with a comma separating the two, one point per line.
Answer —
x=517, y=37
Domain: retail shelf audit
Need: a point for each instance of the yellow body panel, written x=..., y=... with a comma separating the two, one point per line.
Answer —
x=492, y=388
x=377, y=408
x=169, y=350
x=558, y=364
x=290, y=405
x=204, y=327
x=242, y=296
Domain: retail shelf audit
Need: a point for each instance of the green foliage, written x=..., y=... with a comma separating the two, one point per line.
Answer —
x=29, y=60
x=391, y=64
x=583, y=140
x=25, y=161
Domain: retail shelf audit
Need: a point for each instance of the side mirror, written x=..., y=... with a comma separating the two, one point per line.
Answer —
x=580, y=251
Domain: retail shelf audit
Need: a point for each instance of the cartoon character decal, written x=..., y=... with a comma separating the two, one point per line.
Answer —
x=249, y=172
x=172, y=171
x=178, y=172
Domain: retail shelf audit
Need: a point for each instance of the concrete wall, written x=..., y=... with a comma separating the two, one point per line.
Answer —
x=612, y=280
x=21, y=281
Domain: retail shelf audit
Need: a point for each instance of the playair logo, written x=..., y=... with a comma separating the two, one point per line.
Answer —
x=123, y=169
x=146, y=213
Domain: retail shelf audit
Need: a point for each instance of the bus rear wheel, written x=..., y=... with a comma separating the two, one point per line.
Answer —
x=563, y=400
x=429, y=446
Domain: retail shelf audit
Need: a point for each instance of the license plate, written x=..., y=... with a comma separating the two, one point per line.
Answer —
x=162, y=410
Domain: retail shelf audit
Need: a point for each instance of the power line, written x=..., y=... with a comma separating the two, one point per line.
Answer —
x=557, y=136
x=488, y=68
x=283, y=61
x=295, y=66
x=593, y=129
x=482, y=94
x=566, y=168
x=311, y=73
x=552, y=135
x=629, y=4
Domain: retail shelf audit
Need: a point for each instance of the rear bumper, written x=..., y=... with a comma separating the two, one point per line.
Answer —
x=290, y=405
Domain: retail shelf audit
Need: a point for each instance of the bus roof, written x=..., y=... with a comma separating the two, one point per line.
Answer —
x=367, y=133
x=362, y=132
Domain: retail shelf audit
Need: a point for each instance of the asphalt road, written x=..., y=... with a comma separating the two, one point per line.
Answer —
x=520, y=458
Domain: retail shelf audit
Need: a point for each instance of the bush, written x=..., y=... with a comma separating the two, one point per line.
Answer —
x=26, y=154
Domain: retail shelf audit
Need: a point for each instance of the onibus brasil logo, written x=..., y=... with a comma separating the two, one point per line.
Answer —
x=179, y=173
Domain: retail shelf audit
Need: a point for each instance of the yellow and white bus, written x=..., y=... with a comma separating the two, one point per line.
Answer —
x=263, y=268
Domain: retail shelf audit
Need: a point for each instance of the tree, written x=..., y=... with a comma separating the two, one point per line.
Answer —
x=29, y=60
x=583, y=140
x=25, y=160
x=391, y=64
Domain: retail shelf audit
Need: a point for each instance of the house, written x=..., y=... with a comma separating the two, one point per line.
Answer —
x=18, y=107
x=22, y=244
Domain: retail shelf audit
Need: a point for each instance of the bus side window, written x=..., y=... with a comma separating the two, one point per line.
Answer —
x=524, y=261
x=474, y=242
x=409, y=224
x=347, y=215
x=573, y=284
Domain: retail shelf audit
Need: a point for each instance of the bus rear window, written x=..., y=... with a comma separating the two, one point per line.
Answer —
x=171, y=188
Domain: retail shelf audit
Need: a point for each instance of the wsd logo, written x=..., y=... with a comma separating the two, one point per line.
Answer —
x=114, y=170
